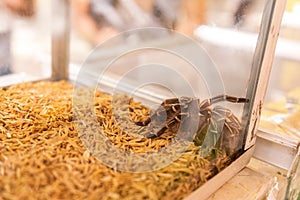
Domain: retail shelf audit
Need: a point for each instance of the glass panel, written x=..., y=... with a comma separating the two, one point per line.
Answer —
x=130, y=61
x=281, y=112
x=157, y=67
x=293, y=192
x=155, y=104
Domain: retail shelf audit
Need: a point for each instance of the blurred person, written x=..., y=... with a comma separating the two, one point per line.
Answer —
x=7, y=7
x=98, y=20
x=241, y=11
x=5, y=60
x=24, y=8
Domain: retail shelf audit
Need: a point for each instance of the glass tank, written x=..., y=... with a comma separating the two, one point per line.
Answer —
x=283, y=93
x=280, y=115
x=132, y=99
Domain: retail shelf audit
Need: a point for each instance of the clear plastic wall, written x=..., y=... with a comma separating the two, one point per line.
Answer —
x=178, y=78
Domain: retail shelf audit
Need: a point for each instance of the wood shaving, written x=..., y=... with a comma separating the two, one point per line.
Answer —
x=42, y=154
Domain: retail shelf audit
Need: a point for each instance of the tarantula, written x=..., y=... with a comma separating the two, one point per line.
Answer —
x=172, y=115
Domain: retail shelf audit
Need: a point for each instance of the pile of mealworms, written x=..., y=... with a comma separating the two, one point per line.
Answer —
x=44, y=151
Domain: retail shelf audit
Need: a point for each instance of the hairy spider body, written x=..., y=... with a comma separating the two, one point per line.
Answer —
x=172, y=115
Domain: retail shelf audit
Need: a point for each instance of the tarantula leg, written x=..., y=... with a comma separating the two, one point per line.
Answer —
x=185, y=121
x=231, y=138
x=157, y=134
x=204, y=108
x=143, y=123
x=205, y=105
x=156, y=115
x=166, y=108
x=170, y=114
x=170, y=123
x=228, y=98
x=171, y=101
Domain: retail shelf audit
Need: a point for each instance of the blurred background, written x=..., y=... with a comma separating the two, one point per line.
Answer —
x=26, y=32
x=226, y=29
